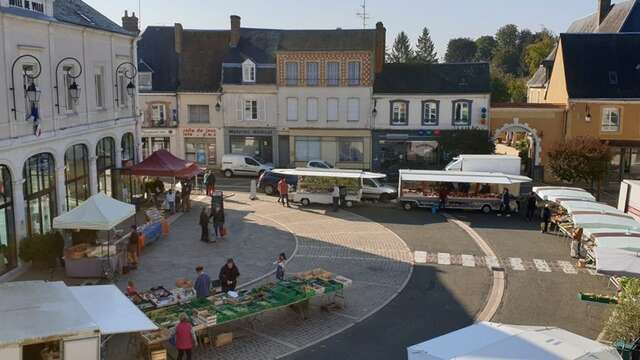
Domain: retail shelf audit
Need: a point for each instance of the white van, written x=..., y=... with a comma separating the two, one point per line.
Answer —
x=233, y=164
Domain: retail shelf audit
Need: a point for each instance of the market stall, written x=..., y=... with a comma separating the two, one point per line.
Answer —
x=490, y=341
x=556, y=194
x=99, y=213
x=48, y=320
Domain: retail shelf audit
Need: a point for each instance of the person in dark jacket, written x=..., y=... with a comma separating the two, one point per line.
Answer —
x=204, y=225
x=202, y=285
x=505, y=203
x=218, y=221
x=546, y=218
x=531, y=206
x=229, y=276
x=211, y=183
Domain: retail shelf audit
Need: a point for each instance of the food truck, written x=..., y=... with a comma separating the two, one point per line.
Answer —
x=456, y=189
x=315, y=186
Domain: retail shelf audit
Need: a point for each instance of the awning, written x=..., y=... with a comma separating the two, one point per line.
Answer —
x=99, y=212
x=490, y=341
x=462, y=177
x=557, y=194
x=572, y=206
x=333, y=173
x=163, y=163
x=595, y=231
x=622, y=242
x=606, y=220
x=111, y=310
x=617, y=262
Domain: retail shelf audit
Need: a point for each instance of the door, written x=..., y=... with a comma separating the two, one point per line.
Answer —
x=283, y=151
x=251, y=166
x=370, y=188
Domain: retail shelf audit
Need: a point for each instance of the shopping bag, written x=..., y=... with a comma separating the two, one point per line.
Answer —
x=223, y=231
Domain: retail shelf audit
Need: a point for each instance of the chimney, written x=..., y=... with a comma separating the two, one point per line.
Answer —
x=177, y=28
x=381, y=47
x=234, y=38
x=130, y=23
x=604, y=6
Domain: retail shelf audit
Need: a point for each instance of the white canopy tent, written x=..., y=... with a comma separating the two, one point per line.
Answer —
x=595, y=220
x=595, y=231
x=99, y=212
x=462, y=177
x=336, y=173
x=617, y=262
x=575, y=205
x=618, y=241
x=490, y=341
x=556, y=194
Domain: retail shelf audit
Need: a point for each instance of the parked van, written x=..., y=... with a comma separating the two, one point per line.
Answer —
x=243, y=165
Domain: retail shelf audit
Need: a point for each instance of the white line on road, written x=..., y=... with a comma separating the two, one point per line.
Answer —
x=492, y=261
x=444, y=259
x=468, y=260
x=420, y=257
x=541, y=265
x=567, y=267
x=516, y=264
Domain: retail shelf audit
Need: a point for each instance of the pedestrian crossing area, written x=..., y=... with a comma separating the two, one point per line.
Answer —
x=512, y=263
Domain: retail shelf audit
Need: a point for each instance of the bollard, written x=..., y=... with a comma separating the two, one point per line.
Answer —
x=252, y=191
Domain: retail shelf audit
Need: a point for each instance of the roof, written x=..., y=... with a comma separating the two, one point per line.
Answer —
x=156, y=48
x=201, y=59
x=451, y=78
x=602, y=66
x=163, y=163
x=327, y=40
x=462, y=177
x=333, y=173
x=79, y=13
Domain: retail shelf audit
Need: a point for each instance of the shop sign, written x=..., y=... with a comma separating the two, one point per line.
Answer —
x=156, y=132
x=252, y=132
x=199, y=132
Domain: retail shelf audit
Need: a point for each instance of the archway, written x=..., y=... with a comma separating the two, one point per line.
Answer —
x=525, y=140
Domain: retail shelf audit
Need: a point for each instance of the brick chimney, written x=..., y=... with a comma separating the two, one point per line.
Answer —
x=381, y=47
x=130, y=23
x=604, y=6
x=234, y=37
x=177, y=28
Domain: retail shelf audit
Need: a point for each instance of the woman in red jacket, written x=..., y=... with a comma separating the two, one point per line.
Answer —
x=184, y=337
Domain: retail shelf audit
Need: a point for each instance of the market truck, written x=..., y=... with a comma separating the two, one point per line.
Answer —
x=459, y=189
x=315, y=186
x=505, y=164
x=629, y=198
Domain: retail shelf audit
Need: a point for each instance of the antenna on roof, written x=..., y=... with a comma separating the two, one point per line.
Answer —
x=364, y=15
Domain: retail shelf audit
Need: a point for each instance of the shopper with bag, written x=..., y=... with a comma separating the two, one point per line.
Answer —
x=218, y=222
x=185, y=338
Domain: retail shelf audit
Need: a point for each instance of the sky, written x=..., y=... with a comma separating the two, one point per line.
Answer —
x=445, y=19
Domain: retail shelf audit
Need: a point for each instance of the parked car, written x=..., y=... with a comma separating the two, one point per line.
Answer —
x=268, y=182
x=319, y=164
x=374, y=189
x=233, y=164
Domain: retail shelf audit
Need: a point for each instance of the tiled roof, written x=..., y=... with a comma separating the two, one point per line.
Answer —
x=327, y=40
x=459, y=78
x=79, y=13
x=156, y=48
x=201, y=59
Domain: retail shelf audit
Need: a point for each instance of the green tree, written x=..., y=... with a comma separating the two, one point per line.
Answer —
x=486, y=47
x=461, y=50
x=425, y=49
x=518, y=90
x=401, y=51
x=538, y=51
x=507, y=36
x=466, y=141
x=624, y=323
x=507, y=60
x=507, y=87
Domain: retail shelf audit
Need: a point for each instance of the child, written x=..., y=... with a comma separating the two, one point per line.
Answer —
x=280, y=264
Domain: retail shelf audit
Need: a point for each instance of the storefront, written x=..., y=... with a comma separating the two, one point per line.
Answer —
x=200, y=146
x=156, y=139
x=345, y=149
x=8, y=248
x=40, y=193
x=76, y=175
x=105, y=162
x=257, y=142
x=410, y=149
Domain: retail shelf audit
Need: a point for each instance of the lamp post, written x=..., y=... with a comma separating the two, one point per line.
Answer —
x=129, y=73
x=32, y=93
x=74, y=89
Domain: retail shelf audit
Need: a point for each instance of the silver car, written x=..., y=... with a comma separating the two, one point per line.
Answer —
x=373, y=189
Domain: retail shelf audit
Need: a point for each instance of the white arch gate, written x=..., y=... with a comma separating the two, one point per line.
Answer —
x=515, y=126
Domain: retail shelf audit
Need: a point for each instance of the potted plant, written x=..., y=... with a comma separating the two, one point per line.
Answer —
x=42, y=249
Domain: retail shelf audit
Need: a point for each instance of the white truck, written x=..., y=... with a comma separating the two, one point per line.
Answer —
x=505, y=164
x=629, y=198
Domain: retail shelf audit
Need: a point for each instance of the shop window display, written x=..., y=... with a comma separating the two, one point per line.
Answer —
x=76, y=175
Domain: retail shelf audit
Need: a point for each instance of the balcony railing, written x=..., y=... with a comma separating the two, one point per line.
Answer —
x=150, y=123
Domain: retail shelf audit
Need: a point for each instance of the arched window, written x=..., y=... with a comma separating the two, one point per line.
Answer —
x=76, y=175
x=248, y=71
x=128, y=149
x=105, y=162
x=40, y=192
x=8, y=248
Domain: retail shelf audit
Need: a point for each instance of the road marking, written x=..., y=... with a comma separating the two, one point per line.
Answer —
x=420, y=257
x=541, y=265
x=567, y=267
x=492, y=261
x=516, y=264
x=444, y=259
x=468, y=260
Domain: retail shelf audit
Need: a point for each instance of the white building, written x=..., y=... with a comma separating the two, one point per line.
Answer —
x=57, y=151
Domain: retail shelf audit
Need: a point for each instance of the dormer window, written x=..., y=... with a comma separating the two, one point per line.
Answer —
x=248, y=71
x=145, y=80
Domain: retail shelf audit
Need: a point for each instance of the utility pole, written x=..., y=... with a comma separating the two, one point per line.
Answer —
x=364, y=15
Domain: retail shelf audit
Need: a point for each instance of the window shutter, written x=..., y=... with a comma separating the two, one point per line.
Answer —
x=353, y=105
x=262, y=110
x=292, y=109
x=240, y=108
x=332, y=109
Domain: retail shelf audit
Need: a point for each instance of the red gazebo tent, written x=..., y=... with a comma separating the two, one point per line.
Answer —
x=163, y=164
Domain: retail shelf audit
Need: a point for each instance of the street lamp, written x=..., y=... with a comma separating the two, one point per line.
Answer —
x=74, y=89
x=31, y=92
x=130, y=73
x=131, y=89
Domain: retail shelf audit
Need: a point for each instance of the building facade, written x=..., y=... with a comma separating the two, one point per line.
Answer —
x=68, y=113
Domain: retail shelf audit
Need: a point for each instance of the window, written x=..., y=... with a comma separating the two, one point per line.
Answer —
x=76, y=175
x=312, y=109
x=354, y=73
x=332, y=109
x=123, y=96
x=7, y=228
x=248, y=71
x=250, y=161
x=250, y=110
x=158, y=112
x=351, y=150
x=292, y=74
x=198, y=114
x=40, y=193
x=99, y=84
x=462, y=112
x=145, y=81
x=292, y=109
x=312, y=74
x=202, y=151
x=105, y=162
x=610, y=120
x=333, y=73
x=399, y=112
x=353, y=109
x=128, y=148
x=70, y=104
x=430, y=110
x=307, y=148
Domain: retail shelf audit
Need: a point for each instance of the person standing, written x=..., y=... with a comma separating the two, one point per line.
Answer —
x=170, y=198
x=505, y=203
x=211, y=183
x=283, y=189
x=218, y=221
x=229, y=274
x=133, y=247
x=546, y=218
x=185, y=339
x=280, y=265
x=443, y=194
x=531, y=206
x=576, y=243
x=335, y=194
x=186, y=195
x=202, y=283
x=204, y=225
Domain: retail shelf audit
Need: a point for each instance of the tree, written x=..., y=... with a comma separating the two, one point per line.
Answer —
x=624, y=323
x=507, y=88
x=466, y=141
x=507, y=37
x=507, y=60
x=538, y=51
x=425, y=50
x=581, y=159
x=461, y=50
x=401, y=51
x=486, y=47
